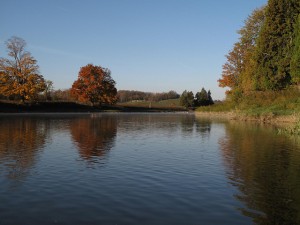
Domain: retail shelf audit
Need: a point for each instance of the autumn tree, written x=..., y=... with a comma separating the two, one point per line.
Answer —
x=275, y=44
x=94, y=85
x=237, y=71
x=19, y=74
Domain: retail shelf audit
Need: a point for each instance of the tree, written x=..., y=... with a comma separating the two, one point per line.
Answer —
x=19, y=76
x=275, y=45
x=187, y=99
x=48, y=89
x=295, y=61
x=237, y=71
x=203, y=98
x=210, y=100
x=95, y=85
x=233, y=68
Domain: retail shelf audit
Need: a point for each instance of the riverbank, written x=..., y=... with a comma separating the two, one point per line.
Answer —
x=268, y=118
x=73, y=107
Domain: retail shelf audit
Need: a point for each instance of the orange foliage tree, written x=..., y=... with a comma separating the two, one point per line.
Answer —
x=19, y=75
x=95, y=85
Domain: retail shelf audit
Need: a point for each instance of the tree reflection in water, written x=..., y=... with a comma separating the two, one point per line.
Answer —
x=20, y=141
x=268, y=178
x=94, y=136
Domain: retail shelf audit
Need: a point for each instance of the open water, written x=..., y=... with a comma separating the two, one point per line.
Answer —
x=165, y=168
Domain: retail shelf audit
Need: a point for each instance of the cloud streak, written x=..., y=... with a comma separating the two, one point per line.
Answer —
x=59, y=52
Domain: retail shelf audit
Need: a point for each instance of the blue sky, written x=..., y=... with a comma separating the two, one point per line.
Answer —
x=149, y=45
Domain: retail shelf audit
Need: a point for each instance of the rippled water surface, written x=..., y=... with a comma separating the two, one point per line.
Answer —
x=145, y=169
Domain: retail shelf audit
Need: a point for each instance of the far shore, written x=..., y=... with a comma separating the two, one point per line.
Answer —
x=73, y=107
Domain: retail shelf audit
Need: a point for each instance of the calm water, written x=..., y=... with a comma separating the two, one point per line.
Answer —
x=145, y=169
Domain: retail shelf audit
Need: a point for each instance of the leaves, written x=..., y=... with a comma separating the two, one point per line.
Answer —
x=237, y=71
x=19, y=76
x=95, y=85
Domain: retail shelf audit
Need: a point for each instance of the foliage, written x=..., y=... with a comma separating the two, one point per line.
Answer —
x=232, y=69
x=187, y=99
x=237, y=70
x=261, y=103
x=95, y=85
x=127, y=96
x=61, y=95
x=295, y=61
x=19, y=75
x=48, y=89
x=203, y=98
x=275, y=45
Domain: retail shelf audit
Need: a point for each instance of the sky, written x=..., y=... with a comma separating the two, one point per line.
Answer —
x=149, y=45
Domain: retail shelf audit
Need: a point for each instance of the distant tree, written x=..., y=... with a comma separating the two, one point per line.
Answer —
x=48, y=89
x=95, y=85
x=19, y=74
x=275, y=45
x=203, y=98
x=126, y=96
x=61, y=95
x=187, y=99
x=210, y=99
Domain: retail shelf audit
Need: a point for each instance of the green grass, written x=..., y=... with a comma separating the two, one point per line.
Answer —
x=269, y=103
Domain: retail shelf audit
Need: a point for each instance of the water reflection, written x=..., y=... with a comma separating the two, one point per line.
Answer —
x=167, y=124
x=94, y=136
x=265, y=168
x=20, y=141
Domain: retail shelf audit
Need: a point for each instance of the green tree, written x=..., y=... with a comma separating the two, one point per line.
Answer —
x=275, y=45
x=19, y=74
x=295, y=62
x=203, y=98
x=187, y=99
x=210, y=99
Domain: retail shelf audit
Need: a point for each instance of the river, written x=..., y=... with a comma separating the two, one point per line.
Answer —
x=142, y=168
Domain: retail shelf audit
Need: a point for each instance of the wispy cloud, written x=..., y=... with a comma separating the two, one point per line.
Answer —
x=54, y=51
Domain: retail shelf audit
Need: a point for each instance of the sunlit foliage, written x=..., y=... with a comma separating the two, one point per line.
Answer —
x=94, y=85
x=19, y=74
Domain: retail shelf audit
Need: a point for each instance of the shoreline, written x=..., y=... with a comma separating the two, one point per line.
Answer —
x=270, y=119
x=73, y=107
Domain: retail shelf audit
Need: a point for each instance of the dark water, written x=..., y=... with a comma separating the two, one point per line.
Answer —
x=145, y=169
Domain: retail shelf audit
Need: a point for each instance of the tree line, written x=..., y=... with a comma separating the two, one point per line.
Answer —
x=127, y=96
x=20, y=79
x=202, y=98
x=267, y=55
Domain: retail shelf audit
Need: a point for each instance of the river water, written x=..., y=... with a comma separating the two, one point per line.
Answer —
x=145, y=169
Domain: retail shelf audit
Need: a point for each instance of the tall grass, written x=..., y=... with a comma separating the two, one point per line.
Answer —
x=285, y=102
x=291, y=130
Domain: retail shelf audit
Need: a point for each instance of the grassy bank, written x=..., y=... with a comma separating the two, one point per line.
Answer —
x=269, y=106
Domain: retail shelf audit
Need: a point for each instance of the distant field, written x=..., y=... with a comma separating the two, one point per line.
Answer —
x=171, y=103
